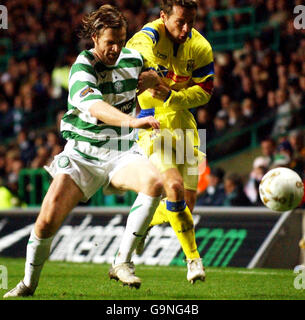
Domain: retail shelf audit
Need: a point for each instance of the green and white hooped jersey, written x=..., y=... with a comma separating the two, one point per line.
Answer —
x=90, y=81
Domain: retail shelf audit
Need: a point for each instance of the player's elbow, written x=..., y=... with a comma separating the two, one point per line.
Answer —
x=208, y=97
x=204, y=98
x=207, y=87
x=98, y=110
x=93, y=110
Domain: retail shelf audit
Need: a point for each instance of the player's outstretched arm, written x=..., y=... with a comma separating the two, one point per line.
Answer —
x=114, y=117
x=192, y=97
x=145, y=123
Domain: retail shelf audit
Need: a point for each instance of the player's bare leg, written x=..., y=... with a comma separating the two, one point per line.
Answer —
x=62, y=196
x=143, y=178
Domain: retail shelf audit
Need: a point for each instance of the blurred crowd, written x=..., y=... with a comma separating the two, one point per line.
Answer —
x=253, y=85
x=219, y=188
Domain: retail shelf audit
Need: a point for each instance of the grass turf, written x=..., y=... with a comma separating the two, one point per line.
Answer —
x=86, y=281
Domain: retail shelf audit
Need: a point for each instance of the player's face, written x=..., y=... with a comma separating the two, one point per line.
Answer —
x=179, y=23
x=109, y=43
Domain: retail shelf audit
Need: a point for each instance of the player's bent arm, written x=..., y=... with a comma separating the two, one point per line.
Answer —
x=148, y=79
x=114, y=117
x=192, y=97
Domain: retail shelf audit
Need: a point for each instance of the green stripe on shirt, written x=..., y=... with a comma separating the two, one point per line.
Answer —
x=93, y=97
x=114, y=145
x=86, y=156
x=83, y=125
x=82, y=67
x=110, y=87
x=89, y=55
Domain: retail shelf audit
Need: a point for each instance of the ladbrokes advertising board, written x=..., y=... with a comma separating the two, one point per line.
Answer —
x=224, y=238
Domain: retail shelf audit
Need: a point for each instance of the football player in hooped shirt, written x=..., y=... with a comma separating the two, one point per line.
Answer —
x=183, y=59
x=100, y=151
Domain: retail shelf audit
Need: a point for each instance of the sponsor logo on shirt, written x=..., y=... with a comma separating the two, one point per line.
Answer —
x=126, y=107
x=171, y=75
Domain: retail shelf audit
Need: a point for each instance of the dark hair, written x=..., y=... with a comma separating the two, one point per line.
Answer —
x=167, y=5
x=106, y=16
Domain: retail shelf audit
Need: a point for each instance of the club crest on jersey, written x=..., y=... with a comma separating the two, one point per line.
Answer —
x=63, y=162
x=118, y=86
x=190, y=65
x=85, y=91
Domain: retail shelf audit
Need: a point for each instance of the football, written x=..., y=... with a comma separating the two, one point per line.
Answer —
x=281, y=189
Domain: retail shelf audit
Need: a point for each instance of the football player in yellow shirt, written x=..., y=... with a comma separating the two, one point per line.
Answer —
x=183, y=59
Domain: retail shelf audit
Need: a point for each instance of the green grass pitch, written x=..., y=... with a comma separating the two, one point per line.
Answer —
x=86, y=281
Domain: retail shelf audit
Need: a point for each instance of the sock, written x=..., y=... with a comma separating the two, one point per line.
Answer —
x=160, y=215
x=37, y=252
x=181, y=220
x=138, y=221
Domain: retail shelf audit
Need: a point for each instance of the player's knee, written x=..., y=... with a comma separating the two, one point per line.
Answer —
x=157, y=186
x=49, y=217
x=154, y=185
x=174, y=187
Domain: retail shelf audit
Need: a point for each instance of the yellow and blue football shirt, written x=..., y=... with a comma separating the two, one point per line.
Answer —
x=187, y=68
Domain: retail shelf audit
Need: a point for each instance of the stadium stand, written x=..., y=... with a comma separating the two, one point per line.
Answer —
x=259, y=85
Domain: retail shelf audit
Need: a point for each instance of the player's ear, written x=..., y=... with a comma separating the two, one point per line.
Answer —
x=163, y=15
x=94, y=38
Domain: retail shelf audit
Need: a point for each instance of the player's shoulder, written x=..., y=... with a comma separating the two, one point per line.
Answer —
x=154, y=29
x=157, y=25
x=85, y=57
x=128, y=53
x=84, y=62
x=199, y=42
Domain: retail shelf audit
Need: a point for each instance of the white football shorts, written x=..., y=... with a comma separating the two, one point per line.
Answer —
x=90, y=175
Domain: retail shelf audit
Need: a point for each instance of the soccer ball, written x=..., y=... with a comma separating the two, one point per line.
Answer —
x=281, y=189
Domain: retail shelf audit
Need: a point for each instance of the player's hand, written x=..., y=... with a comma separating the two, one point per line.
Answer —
x=145, y=123
x=161, y=91
x=148, y=79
